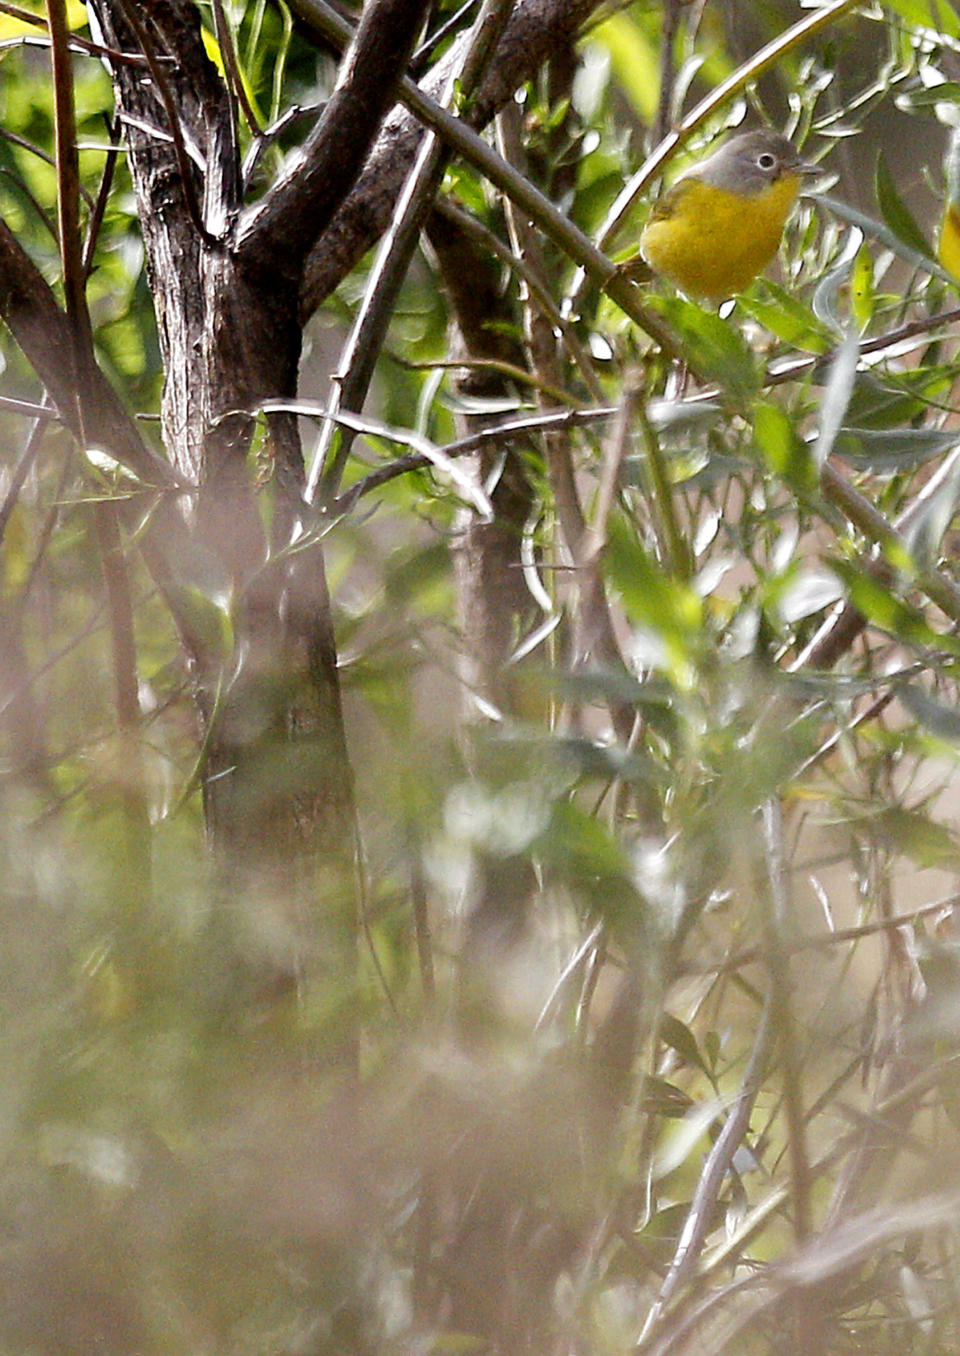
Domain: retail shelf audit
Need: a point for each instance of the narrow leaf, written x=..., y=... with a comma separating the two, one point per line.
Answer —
x=895, y=211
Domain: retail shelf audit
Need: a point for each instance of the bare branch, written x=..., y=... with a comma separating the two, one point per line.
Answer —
x=535, y=29
x=41, y=329
x=419, y=193
x=68, y=187
x=285, y=225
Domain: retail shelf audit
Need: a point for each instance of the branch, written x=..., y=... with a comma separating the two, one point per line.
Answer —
x=287, y=222
x=43, y=332
x=358, y=360
x=535, y=29
x=68, y=191
x=707, y=1193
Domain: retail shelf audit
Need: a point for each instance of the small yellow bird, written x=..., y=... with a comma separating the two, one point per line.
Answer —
x=720, y=224
x=948, y=246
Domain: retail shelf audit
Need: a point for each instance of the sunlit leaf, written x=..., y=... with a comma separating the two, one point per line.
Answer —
x=787, y=317
x=884, y=609
x=633, y=60
x=713, y=346
x=781, y=447
x=666, y=606
x=927, y=14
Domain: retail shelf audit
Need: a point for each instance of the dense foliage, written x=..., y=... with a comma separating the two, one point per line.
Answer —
x=646, y=626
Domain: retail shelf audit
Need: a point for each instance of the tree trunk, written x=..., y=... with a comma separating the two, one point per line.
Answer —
x=277, y=786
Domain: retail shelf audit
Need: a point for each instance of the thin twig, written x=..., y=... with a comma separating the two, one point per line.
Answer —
x=699, y=1217
x=116, y=580
x=421, y=913
x=503, y=432
x=46, y=532
x=29, y=408
x=16, y=140
x=521, y=376
x=421, y=56
x=42, y=214
x=751, y=955
x=363, y=910
x=679, y=556
x=778, y=926
x=103, y=195
x=235, y=84
x=671, y=14
x=40, y=670
x=21, y=470
x=616, y=446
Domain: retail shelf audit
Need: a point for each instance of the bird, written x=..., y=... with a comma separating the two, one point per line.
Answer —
x=720, y=224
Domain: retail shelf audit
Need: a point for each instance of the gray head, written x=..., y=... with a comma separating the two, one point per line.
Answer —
x=751, y=162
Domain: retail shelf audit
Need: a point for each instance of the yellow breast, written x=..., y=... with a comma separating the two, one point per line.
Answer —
x=948, y=250
x=713, y=243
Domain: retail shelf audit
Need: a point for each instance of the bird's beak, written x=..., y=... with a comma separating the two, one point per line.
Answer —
x=805, y=168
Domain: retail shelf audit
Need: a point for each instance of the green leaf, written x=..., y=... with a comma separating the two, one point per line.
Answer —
x=933, y=715
x=678, y=1036
x=782, y=448
x=633, y=59
x=884, y=609
x=926, y=843
x=878, y=404
x=653, y=599
x=861, y=288
x=412, y=573
x=887, y=452
x=713, y=346
x=206, y=618
x=940, y=18
x=895, y=211
x=877, y=230
x=932, y=515
x=109, y=470
x=787, y=317
x=582, y=853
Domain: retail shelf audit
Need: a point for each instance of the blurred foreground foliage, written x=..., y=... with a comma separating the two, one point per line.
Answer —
x=687, y=1082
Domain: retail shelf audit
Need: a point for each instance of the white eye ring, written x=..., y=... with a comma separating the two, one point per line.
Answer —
x=766, y=161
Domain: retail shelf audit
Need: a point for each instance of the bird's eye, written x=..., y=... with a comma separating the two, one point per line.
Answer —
x=766, y=161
